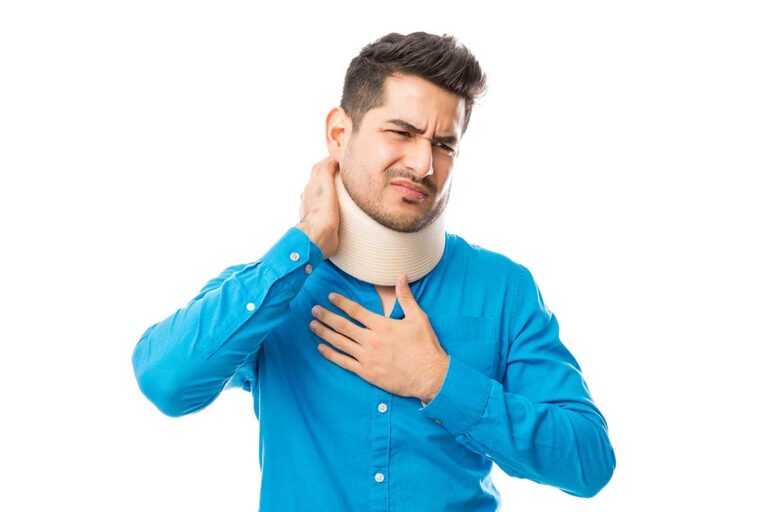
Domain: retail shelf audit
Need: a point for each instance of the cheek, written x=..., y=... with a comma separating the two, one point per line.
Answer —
x=376, y=156
x=443, y=185
x=385, y=154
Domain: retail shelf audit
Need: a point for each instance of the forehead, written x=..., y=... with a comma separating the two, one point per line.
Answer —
x=421, y=103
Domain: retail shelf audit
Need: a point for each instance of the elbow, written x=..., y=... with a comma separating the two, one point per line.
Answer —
x=597, y=475
x=161, y=393
x=597, y=484
x=158, y=388
x=164, y=397
x=592, y=489
x=157, y=384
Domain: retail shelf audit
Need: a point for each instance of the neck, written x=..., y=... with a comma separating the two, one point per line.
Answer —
x=377, y=254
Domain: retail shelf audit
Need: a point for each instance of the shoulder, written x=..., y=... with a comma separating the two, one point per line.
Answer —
x=475, y=258
x=507, y=289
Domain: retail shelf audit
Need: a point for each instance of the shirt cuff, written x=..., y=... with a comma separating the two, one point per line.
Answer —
x=462, y=398
x=294, y=250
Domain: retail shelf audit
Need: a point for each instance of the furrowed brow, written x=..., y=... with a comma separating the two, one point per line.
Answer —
x=445, y=139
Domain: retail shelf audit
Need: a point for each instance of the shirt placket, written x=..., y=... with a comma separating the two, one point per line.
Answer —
x=381, y=426
x=381, y=429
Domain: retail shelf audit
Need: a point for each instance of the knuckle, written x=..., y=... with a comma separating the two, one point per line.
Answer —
x=345, y=328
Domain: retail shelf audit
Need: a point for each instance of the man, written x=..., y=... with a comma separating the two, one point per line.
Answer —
x=375, y=393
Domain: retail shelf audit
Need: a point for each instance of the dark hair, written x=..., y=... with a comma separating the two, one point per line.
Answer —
x=440, y=59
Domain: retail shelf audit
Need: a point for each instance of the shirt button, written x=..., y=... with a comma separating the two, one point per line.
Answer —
x=382, y=407
x=308, y=268
x=250, y=306
x=379, y=477
x=438, y=421
x=294, y=256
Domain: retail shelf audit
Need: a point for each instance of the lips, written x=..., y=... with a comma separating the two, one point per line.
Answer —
x=409, y=192
x=410, y=186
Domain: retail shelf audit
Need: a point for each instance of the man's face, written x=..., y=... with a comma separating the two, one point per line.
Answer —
x=385, y=150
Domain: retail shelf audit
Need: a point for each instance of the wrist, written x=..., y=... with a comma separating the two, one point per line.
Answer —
x=436, y=379
x=316, y=237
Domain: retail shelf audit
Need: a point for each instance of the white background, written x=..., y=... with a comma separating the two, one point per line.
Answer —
x=619, y=154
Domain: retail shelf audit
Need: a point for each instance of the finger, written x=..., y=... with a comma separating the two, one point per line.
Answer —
x=337, y=340
x=339, y=323
x=340, y=359
x=405, y=296
x=360, y=313
x=330, y=167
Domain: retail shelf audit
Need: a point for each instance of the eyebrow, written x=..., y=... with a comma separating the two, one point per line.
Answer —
x=445, y=139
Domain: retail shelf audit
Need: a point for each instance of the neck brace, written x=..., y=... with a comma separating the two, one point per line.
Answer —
x=377, y=254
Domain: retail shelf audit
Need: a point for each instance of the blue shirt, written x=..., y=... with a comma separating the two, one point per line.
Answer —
x=328, y=440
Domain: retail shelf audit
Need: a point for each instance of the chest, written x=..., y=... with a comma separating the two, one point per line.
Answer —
x=387, y=296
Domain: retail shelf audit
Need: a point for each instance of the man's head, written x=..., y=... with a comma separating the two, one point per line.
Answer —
x=405, y=106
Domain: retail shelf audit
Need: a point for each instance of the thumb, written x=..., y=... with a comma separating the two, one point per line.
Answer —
x=404, y=295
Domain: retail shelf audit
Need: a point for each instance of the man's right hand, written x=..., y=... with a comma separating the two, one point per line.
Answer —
x=319, y=211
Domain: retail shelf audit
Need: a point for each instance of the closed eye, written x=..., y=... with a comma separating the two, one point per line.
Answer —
x=449, y=149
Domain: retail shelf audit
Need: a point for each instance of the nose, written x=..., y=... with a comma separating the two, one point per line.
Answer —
x=419, y=157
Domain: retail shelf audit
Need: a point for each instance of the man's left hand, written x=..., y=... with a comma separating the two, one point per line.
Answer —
x=403, y=357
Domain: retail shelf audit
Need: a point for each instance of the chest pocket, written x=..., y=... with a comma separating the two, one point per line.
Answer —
x=469, y=338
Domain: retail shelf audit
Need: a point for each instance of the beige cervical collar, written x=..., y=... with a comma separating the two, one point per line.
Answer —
x=377, y=254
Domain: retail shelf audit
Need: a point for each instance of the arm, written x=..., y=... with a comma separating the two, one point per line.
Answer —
x=183, y=362
x=540, y=422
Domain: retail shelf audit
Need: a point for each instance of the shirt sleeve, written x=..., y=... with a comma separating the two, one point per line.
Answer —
x=182, y=363
x=540, y=422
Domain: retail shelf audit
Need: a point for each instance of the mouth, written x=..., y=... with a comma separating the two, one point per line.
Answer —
x=410, y=191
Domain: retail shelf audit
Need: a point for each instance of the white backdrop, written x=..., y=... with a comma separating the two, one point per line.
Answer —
x=619, y=154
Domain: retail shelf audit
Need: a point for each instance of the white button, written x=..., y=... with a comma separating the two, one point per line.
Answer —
x=308, y=268
x=250, y=306
x=294, y=256
x=438, y=421
x=487, y=455
x=379, y=477
x=382, y=407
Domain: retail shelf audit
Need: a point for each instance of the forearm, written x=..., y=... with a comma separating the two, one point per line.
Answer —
x=181, y=369
x=183, y=362
x=565, y=445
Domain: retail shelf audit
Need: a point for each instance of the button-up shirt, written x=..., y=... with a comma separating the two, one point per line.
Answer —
x=513, y=393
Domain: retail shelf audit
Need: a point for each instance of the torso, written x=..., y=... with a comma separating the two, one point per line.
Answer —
x=387, y=296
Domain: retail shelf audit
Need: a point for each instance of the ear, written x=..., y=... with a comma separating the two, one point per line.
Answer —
x=338, y=126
